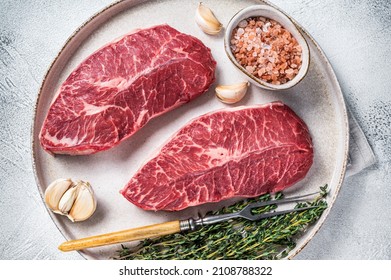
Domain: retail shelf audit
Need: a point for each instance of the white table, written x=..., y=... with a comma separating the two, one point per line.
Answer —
x=355, y=35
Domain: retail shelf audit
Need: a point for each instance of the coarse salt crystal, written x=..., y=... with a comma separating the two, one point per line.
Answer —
x=240, y=31
x=250, y=69
x=266, y=46
x=243, y=23
x=265, y=28
x=289, y=71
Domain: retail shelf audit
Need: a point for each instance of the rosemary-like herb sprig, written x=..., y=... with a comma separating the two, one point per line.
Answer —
x=271, y=238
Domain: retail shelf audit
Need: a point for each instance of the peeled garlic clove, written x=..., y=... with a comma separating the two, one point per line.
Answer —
x=68, y=199
x=207, y=21
x=55, y=191
x=231, y=93
x=84, y=205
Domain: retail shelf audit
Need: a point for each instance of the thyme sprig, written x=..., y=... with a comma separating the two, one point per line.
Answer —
x=271, y=238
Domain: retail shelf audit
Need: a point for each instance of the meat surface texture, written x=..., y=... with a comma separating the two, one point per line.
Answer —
x=237, y=152
x=123, y=85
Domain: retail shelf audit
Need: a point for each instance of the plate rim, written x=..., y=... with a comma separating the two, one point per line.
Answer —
x=344, y=112
x=131, y=3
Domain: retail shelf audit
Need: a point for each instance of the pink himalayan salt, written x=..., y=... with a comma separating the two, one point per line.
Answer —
x=267, y=50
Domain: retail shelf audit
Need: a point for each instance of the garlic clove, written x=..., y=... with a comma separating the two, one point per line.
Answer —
x=207, y=21
x=84, y=205
x=231, y=94
x=68, y=199
x=55, y=191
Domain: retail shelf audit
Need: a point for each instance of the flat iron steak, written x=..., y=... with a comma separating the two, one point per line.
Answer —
x=236, y=152
x=120, y=87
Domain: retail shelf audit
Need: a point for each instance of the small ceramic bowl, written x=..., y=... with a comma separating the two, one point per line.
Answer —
x=274, y=14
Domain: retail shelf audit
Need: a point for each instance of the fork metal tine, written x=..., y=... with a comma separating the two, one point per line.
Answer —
x=192, y=224
x=277, y=213
x=279, y=201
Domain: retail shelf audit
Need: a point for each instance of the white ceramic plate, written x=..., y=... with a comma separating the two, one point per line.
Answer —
x=317, y=99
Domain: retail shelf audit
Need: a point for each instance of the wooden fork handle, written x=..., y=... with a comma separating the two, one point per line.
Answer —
x=121, y=236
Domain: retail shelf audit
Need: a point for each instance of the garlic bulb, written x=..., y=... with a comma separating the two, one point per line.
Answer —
x=76, y=200
x=231, y=93
x=207, y=21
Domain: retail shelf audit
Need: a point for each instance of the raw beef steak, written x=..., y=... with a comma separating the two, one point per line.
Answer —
x=238, y=152
x=120, y=87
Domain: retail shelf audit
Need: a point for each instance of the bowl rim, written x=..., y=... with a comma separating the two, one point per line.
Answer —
x=243, y=14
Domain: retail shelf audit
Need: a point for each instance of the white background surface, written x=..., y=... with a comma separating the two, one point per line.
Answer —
x=355, y=36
